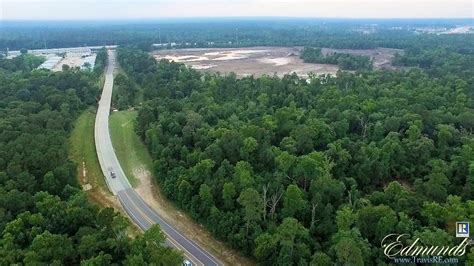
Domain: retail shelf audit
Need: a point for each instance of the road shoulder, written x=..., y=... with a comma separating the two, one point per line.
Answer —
x=138, y=162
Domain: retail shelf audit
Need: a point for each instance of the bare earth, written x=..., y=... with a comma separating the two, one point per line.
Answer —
x=256, y=61
x=260, y=61
x=71, y=59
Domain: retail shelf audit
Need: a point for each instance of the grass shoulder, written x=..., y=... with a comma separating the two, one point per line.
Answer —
x=131, y=152
x=137, y=163
x=82, y=152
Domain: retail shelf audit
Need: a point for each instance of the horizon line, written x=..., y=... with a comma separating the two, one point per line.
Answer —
x=234, y=17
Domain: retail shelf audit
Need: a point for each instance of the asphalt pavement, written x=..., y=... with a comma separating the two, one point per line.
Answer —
x=138, y=210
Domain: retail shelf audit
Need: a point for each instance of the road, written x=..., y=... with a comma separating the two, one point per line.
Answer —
x=138, y=210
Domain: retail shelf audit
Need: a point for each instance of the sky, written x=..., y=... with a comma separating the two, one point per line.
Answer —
x=155, y=9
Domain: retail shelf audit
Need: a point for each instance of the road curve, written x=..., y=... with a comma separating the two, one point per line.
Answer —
x=138, y=210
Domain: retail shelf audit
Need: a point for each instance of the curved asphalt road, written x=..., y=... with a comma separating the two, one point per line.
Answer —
x=134, y=205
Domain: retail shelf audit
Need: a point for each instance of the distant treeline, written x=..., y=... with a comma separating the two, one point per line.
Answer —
x=438, y=61
x=354, y=34
x=343, y=60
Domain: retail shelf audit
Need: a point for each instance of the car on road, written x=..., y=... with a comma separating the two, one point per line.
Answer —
x=112, y=173
x=187, y=263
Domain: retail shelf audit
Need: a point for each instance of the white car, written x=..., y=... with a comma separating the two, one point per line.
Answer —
x=187, y=263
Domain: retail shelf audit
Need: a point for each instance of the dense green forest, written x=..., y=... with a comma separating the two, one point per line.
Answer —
x=290, y=171
x=25, y=62
x=334, y=33
x=100, y=61
x=438, y=62
x=344, y=61
x=293, y=172
x=45, y=218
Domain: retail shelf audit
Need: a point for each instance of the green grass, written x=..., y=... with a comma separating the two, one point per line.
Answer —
x=131, y=152
x=82, y=150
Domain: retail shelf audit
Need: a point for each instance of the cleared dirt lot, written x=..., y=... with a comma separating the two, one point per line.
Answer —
x=72, y=60
x=264, y=60
x=246, y=61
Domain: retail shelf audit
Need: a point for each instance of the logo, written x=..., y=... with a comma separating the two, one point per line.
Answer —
x=402, y=249
x=397, y=245
x=462, y=229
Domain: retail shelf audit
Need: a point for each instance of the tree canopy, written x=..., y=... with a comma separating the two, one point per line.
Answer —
x=319, y=170
x=343, y=60
x=45, y=218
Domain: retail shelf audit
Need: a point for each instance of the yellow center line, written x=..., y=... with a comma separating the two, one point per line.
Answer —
x=172, y=241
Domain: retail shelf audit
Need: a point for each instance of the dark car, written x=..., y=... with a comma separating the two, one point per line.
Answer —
x=112, y=173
